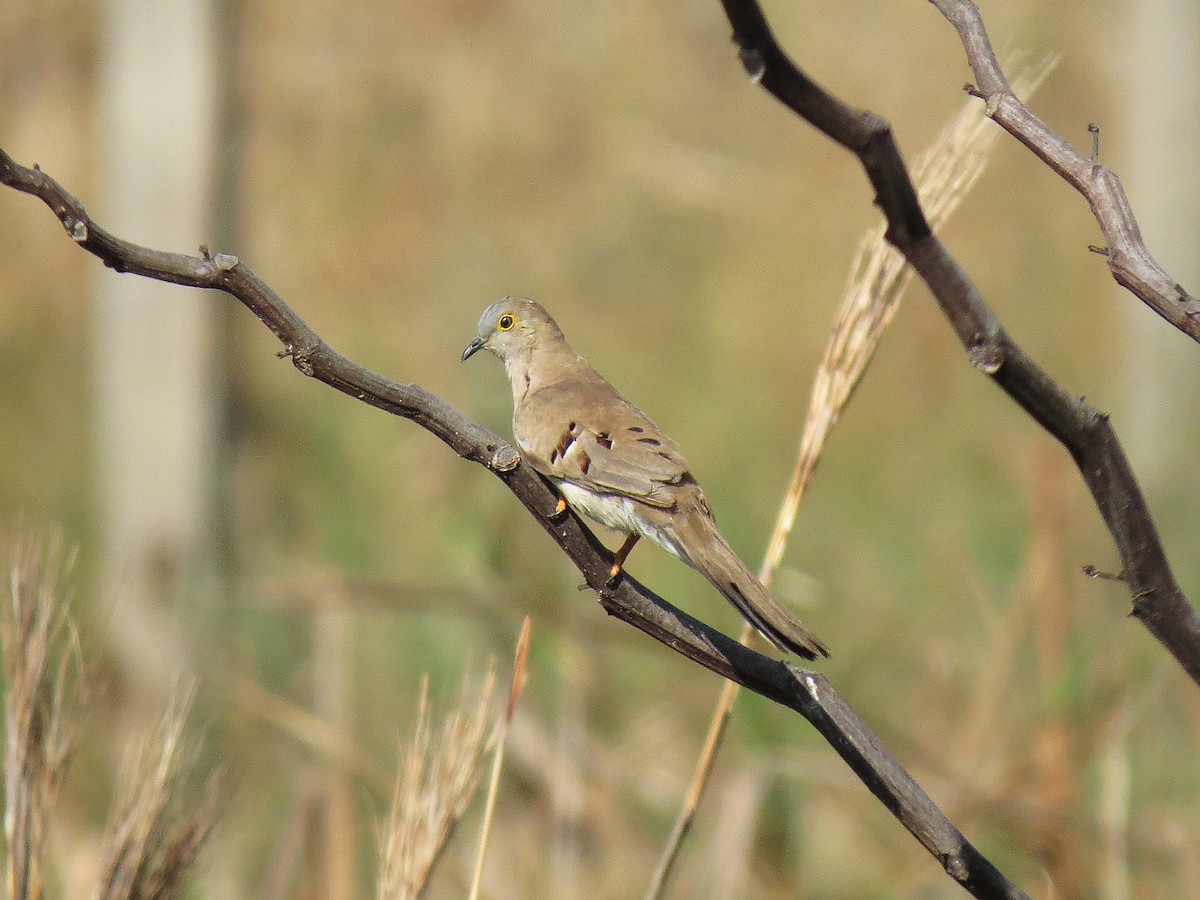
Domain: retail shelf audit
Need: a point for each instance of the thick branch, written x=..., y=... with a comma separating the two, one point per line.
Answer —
x=1130, y=262
x=808, y=693
x=1158, y=602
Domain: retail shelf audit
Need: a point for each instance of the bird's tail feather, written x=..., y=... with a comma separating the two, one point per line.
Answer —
x=728, y=574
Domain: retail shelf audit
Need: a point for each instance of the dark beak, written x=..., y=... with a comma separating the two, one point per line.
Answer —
x=472, y=348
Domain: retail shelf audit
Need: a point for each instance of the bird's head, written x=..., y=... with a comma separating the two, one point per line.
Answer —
x=512, y=328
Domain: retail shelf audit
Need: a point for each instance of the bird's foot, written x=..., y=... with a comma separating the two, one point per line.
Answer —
x=560, y=510
x=614, y=575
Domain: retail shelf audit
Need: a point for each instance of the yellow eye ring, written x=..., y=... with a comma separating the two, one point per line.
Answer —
x=505, y=323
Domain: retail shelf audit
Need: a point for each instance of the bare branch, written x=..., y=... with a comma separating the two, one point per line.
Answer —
x=1130, y=262
x=807, y=693
x=1158, y=602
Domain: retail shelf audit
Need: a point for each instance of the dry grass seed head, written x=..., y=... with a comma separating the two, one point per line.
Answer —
x=435, y=783
x=879, y=275
x=151, y=843
x=41, y=659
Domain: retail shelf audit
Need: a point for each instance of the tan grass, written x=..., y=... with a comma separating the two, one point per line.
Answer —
x=152, y=841
x=437, y=777
x=879, y=275
x=516, y=686
x=41, y=661
x=944, y=174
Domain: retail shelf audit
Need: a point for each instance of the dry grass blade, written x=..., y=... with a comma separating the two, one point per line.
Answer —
x=516, y=686
x=700, y=777
x=151, y=845
x=41, y=661
x=943, y=176
x=436, y=781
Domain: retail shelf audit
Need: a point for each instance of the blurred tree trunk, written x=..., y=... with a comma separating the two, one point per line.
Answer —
x=1160, y=131
x=155, y=369
x=1161, y=429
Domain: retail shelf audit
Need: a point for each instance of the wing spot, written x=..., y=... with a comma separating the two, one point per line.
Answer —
x=585, y=462
x=664, y=454
x=653, y=442
x=604, y=440
x=636, y=429
x=564, y=444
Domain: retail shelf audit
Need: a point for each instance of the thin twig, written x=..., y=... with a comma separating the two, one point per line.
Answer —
x=944, y=174
x=700, y=778
x=1128, y=259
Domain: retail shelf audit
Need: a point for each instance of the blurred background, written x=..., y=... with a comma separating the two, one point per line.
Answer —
x=392, y=168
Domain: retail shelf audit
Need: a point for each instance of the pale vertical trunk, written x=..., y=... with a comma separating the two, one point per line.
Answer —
x=1158, y=133
x=154, y=369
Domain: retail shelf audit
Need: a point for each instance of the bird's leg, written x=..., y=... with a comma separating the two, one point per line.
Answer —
x=619, y=558
x=560, y=509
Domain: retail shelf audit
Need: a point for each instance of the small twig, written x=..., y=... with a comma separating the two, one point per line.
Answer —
x=1092, y=572
x=701, y=775
x=1129, y=261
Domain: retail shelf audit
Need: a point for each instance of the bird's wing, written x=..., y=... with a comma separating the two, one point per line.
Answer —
x=589, y=435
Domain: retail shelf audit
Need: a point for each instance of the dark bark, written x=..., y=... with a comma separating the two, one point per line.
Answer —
x=1130, y=262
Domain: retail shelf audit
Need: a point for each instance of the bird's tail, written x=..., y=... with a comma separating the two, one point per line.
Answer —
x=713, y=558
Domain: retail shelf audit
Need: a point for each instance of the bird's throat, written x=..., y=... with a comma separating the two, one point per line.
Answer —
x=519, y=368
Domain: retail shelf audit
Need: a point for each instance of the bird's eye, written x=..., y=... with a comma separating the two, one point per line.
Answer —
x=506, y=323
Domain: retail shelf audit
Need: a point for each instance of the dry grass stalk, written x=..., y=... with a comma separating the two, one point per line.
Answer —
x=41, y=660
x=516, y=686
x=700, y=777
x=436, y=781
x=151, y=845
x=1114, y=881
x=879, y=275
